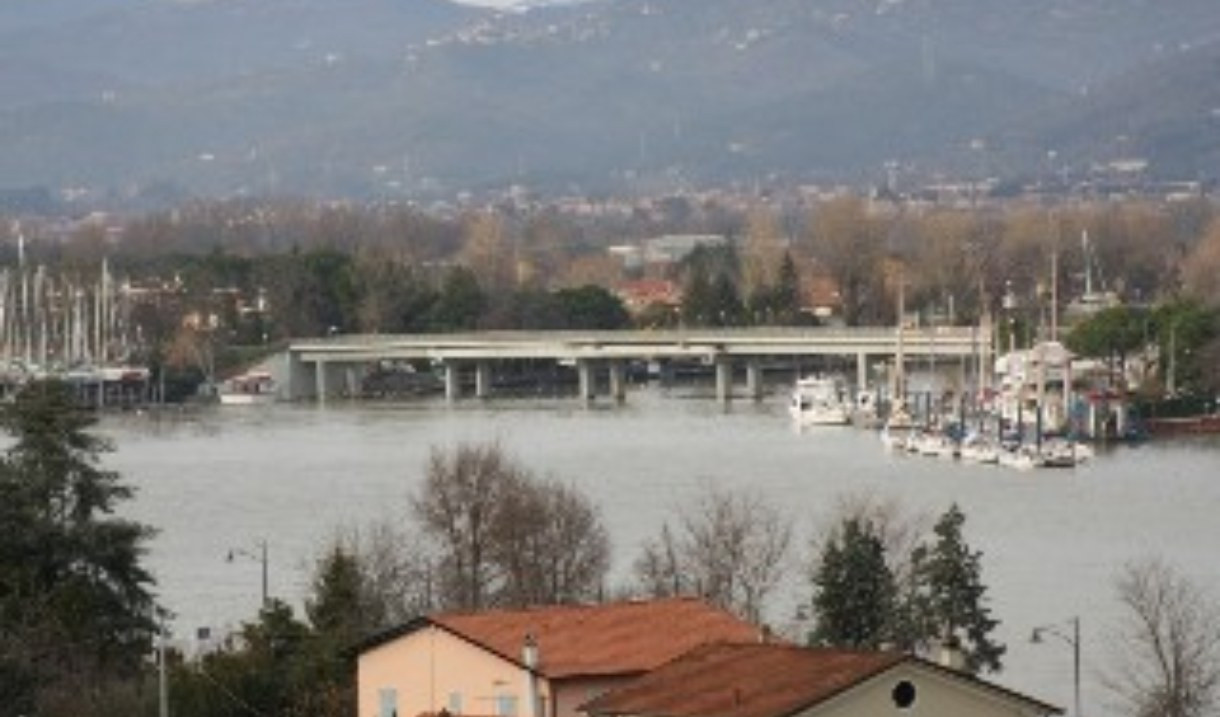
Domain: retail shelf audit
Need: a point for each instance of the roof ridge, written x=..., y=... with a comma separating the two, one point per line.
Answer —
x=568, y=606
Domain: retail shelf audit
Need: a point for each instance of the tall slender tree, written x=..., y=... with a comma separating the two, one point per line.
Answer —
x=953, y=598
x=75, y=606
x=855, y=595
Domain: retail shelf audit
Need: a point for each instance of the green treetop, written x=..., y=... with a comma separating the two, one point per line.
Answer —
x=855, y=596
x=954, y=599
x=74, y=597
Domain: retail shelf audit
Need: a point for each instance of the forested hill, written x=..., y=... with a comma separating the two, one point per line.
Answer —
x=382, y=97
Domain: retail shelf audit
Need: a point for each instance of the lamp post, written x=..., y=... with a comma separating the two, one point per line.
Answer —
x=259, y=557
x=1072, y=639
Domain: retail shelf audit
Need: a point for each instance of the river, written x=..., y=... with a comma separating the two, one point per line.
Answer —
x=215, y=479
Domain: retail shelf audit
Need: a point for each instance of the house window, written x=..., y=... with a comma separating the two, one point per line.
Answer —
x=387, y=698
x=506, y=706
x=455, y=703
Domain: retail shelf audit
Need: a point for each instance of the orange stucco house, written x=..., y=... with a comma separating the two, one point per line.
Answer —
x=537, y=662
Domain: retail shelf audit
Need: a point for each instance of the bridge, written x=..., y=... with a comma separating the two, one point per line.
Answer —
x=322, y=368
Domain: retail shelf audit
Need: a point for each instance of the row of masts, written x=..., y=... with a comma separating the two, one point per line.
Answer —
x=51, y=324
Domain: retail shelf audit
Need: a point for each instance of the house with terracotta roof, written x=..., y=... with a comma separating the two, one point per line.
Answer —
x=536, y=662
x=771, y=680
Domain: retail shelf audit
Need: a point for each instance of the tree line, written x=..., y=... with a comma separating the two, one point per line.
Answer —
x=78, y=617
x=1178, y=341
x=326, y=268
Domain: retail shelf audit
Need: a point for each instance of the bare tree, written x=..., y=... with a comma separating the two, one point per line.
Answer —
x=551, y=545
x=658, y=570
x=396, y=579
x=848, y=243
x=458, y=509
x=1166, y=655
x=503, y=537
x=730, y=549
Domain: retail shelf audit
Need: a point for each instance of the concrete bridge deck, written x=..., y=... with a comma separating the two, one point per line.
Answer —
x=316, y=367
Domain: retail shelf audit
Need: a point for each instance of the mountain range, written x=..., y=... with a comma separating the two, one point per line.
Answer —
x=417, y=97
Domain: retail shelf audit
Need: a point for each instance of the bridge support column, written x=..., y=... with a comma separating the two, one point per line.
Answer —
x=724, y=379
x=618, y=380
x=353, y=383
x=453, y=381
x=666, y=372
x=754, y=379
x=319, y=377
x=297, y=377
x=861, y=371
x=482, y=379
x=584, y=372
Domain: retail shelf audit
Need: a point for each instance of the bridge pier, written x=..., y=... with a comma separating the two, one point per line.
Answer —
x=453, y=381
x=618, y=381
x=754, y=379
x=482, y=380
x=666, y=372
x=320, y=383
x=724, y=379
x=861, y=371
x=584, y=372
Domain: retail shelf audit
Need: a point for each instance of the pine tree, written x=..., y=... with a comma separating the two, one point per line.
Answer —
x=855, y=593
x=786, y=296
x=697, y=298
x=954, y=601
x=74, y=598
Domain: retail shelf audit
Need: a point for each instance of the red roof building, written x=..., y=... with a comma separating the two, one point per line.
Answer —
x=769, y=680
x=537, y=662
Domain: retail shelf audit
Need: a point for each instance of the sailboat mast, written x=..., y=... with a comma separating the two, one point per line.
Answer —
x=1055, y=293
x=900, y=391
x=1088, y=263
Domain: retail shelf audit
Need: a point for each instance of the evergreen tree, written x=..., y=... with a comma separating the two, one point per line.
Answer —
x=337, y=605
x=727, y=308
x=786, y=296
x=953, y=602
x=74, y=600
x=461, y=302
x=592, y=307
x=697, y=298
x=855, y=594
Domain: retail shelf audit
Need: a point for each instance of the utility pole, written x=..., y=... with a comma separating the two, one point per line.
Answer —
x=162, y=678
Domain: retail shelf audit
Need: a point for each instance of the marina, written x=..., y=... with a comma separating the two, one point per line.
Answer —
x=74, y=328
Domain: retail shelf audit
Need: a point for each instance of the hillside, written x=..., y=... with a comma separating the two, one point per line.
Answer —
x=386, y=97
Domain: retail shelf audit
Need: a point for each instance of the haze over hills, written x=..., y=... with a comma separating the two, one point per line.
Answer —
x=392, y=97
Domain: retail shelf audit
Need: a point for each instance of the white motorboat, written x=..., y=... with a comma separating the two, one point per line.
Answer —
x=820, y=401
x=248, y=389
x=936, y=444
x=977, y=449
x=895, y=439
x=1022, y=457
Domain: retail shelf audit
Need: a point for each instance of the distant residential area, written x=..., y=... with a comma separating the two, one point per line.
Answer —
x=201, y=286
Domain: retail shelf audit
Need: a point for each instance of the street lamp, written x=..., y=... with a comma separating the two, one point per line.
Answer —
x=259, y=557
x=1073, y=639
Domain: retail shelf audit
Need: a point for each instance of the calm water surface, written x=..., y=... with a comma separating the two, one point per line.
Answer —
x=1052, y=540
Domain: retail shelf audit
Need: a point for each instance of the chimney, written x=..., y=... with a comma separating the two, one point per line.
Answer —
x=529, y=652
x=529, y=657
x=949, y=654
